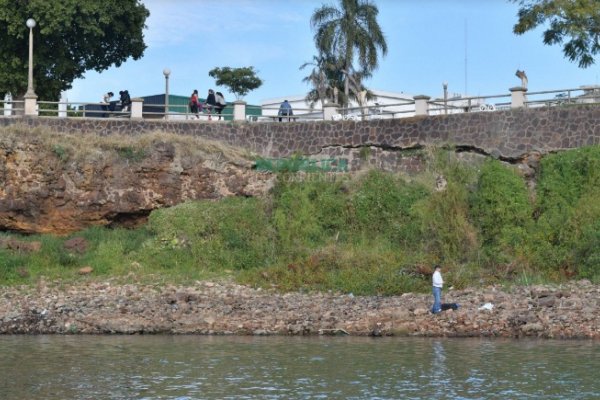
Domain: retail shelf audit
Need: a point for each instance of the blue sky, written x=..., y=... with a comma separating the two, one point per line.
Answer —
x=467, y=43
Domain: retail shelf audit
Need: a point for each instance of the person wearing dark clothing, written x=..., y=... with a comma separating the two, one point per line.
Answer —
x=125, y=100
x=211, y=102
x=221, y=103
x=285, y=109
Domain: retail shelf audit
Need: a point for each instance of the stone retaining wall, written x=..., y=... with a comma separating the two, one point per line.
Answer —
x=509, y=135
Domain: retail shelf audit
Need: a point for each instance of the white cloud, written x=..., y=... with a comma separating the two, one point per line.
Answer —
x=179, y=22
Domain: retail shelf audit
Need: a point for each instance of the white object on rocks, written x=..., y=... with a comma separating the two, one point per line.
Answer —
x=486, y=306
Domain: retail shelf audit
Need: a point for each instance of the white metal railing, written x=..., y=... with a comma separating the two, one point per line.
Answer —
x=563, y=97
x=376, y=111
x=183, y=112
x=299, y=114
x=12, y=107
x=501, y=102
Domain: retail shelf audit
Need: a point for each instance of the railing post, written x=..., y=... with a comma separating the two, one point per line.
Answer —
x=137, y=107
x=7, y=104
x=31, y=107
x=239, y=110
x=421, y=104
x=62, y=107
x=329, y=110
x=517, y=96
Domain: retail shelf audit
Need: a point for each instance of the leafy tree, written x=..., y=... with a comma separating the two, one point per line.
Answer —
x=240, y=81
x=71, y=37
x=576, y=23
x=349, y=31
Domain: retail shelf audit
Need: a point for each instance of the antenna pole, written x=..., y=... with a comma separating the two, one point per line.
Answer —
x=466, y=59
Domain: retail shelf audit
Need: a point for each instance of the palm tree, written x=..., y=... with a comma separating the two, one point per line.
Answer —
x=324, y=78
x=357, y=90
x=352, y=30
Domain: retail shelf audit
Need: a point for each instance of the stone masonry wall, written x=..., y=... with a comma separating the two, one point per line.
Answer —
x=510, y=135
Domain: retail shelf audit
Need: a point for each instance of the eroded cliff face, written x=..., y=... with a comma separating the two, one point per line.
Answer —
x=61, y=183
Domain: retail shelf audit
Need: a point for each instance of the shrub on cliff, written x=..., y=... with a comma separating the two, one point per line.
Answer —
x=568, y=216
x=382, y=204
x=232, y=233
x=502, y=212
x=446, y=233
x=306, y=214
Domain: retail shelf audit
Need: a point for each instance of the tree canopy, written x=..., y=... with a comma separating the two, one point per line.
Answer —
x=576, y=23
x=347, y=32
x=240, y=81
x=70, y=38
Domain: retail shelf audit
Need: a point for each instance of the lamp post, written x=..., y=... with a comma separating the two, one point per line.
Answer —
x=30, y=96
x=445, y=84
x=166, y=73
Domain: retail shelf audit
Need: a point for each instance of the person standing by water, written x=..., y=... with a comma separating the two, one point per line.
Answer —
x=211, y=102
x=221, y=103
x=438, y=283
x=285, y=109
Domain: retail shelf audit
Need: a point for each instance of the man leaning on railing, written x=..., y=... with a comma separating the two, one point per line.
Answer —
x=285, y=109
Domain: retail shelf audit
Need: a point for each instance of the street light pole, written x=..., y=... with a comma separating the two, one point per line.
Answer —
x=445, y=84
x=30, y=91
x=166, y=73
x=30, y=96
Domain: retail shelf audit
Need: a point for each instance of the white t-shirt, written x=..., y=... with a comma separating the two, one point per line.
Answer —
x=437, y=279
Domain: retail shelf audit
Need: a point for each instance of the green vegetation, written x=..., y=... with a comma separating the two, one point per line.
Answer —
x=573, y=24
x=240, y=81
x=70, y=38
x=372, y=233
x=344, y=36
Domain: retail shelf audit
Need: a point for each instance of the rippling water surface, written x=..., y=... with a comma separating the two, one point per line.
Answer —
x=199, y=367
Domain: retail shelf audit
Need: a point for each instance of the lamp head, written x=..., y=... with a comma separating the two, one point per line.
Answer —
x=166, y=72
x=30, y=23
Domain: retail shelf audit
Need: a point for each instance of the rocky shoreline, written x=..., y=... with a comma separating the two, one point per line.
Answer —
x=569, y=311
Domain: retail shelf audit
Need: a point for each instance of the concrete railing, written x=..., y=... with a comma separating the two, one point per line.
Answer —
x=419, y=105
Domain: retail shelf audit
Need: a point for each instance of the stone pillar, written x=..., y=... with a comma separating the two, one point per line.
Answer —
x=137, y=106
x=517, y=97
x=329, y=110
x=421, y=105
x=239, y=110
x=31, y=105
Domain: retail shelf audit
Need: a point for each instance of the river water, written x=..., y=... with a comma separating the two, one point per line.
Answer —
x=200, y=367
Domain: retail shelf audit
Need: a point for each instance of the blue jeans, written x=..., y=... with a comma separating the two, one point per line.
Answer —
x=437, y=300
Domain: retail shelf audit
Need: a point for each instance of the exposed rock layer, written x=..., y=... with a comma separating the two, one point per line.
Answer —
x=47, y=189
x=567, y=311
